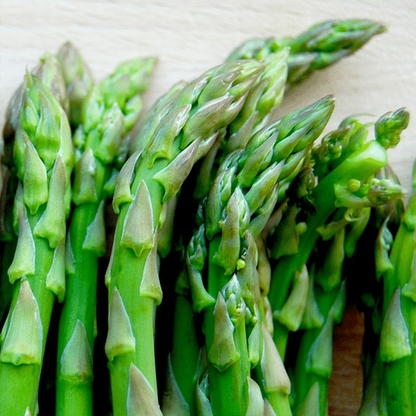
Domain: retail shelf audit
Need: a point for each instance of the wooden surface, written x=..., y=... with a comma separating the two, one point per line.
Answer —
x=346, y=383
x=188, y=37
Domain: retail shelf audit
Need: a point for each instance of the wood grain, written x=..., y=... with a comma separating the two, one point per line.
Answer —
x=346, y=382
x=188, y=37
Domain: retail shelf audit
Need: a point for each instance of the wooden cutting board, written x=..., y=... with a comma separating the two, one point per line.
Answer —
x=188, y=37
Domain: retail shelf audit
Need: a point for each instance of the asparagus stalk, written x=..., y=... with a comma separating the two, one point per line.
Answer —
x=44, y=157
x=54, y=71
x=49, y=71
x=226, y=252
x=313, y=365
x=398, y=328
x=110, y=112
x=322, y=45
x=184, y=134
x=365, y=289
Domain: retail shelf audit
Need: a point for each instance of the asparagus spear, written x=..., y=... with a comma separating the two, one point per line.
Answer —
x=313, y=365
x=67, y=76
x=49, y=72
x=322, y=45
x=44, y=158
x=183, y=135
x=109, y=113
x=78, y=79
x=366, y=291
x=304, y=125
x=398, y=328
x=262, y=100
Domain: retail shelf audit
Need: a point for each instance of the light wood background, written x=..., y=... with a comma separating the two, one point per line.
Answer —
x=188, y=37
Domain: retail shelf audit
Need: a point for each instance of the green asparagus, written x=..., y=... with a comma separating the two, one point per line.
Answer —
x=373, y=253
x=239, y=203
x=343, y=186
x=260, y=229
x=49, y=72
x=44, y=157
x=109, y=113
x=323, y=44
x=78, y=79
x=398, y=327
x=182, y=136
x=231, y=140
x=335, y=235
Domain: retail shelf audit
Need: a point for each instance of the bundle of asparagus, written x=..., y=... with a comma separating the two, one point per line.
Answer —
x=314, y=265
x=258, y=221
